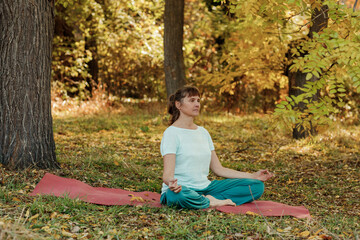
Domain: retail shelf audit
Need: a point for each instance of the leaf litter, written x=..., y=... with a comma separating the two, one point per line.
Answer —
x=321, y=173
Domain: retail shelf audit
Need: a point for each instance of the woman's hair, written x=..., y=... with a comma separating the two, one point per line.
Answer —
x=178, y=96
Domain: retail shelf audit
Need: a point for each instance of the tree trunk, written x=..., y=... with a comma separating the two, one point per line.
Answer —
x=91, y=45
x=319, y=20
x=26, y=133
x=173, y=43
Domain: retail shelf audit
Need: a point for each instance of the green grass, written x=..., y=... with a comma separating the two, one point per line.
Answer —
x=122, y=151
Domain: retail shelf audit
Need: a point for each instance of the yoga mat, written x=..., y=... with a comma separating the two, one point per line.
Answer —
x=58, y=186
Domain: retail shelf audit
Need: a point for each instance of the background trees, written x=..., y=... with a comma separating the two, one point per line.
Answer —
x=327, y=59
x=26, y=131
x=116, y=45
x=242, y=55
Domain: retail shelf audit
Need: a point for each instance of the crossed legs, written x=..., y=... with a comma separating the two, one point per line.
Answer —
x=218, y=193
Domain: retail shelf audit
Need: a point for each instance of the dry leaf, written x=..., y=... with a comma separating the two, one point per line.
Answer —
x=323, y=236
x=251, y=213
x=67, y=234
x=137, y=199
x=27, y=214
x=33, y=217
x=304, y=234
x=53, y=215
x=75, y=229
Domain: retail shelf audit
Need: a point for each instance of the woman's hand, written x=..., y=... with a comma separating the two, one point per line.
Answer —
x=263, y=175
x=173, y=186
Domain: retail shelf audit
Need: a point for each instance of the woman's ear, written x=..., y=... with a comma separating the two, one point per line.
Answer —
x=177, y=104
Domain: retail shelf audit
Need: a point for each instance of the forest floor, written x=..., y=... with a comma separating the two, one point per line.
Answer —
x=121, y=150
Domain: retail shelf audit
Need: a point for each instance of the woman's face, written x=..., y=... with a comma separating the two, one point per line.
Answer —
x=189, y=106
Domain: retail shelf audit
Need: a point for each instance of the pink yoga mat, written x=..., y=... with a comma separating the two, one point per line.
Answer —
x=61, y=187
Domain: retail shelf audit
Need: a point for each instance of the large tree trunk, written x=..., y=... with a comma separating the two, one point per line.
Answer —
x=26, y=131
x=319, y=20
x=173, y=43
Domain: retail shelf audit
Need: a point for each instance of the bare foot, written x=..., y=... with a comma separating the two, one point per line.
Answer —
x=218, y=203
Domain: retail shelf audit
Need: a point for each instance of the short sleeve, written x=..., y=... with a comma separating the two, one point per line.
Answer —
x=211, y=144
x=169, y=143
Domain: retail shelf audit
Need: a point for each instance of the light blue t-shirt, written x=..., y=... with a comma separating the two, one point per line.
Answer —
x=193, y=155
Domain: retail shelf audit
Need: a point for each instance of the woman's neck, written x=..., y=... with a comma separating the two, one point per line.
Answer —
x=185, y=122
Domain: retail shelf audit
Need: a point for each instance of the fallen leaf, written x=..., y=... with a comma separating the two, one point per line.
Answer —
x=65, y=216
x=67, y=234
x=239, y=235
x=290, y=181
x=287, y=229
x=137, y=199
x=304, y=234
x=270, y=230
x=318, y=231
x=33, y=217
x=251, y=213
x=75, y=229
x=27, y=214
x=53, y=215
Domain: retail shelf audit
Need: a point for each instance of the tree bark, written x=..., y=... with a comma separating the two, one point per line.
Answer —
x=319, y=19
x=91, y=45
x=26, y=131
x=173, y=44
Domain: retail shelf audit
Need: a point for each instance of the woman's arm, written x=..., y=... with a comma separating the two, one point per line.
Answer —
x=169, y=171
x=221, y=171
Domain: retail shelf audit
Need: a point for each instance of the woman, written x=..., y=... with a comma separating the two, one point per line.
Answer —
x=188, y=153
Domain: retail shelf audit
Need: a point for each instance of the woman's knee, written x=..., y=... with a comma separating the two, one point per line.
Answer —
x=173, y=198
x=186, y=199
x=257, y=188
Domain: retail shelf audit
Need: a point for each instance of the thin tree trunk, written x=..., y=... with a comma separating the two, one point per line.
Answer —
x=91, y=45
x=173, y=43
x=26, y=131
x=319, y=20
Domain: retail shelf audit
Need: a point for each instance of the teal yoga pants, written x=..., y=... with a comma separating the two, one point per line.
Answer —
x=235, y=189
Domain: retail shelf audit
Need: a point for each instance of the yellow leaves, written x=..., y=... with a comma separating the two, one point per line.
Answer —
x=304, y=234
x=65, y=216
x=290, y=181
x=53, y=215
x=136, y=199
x=67, y=234
x=46, y=229
x=27, y=214
x=206, y=233
x=251, y=213
x=279, y=230
x=33, y=217
x=15, y=199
